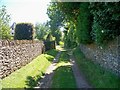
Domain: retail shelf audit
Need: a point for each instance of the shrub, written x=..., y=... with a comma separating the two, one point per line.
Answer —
x=49, y=45
x=24, y=31
x=49, y=42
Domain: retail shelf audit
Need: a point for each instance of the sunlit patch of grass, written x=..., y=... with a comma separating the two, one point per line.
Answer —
x=0, y=84
x=49, y=57
x=61, y=44
x=60, y=48
x=62, y=63
x=29, y=75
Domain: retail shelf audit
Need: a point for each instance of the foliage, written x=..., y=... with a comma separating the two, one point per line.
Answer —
x=78, y=15
x=70, y=10
x=83, y=25
x=50, y=37
x=106, y=21
x=57, y=34
x=70, y=37
x=56, y=16
x=52, y=52
x=49, y=45
x=61, y=43
x=23, y=31
x=41, y=31
x=94, y=22
x=4, y=24
x=97, y=76
x=49, y=42
x=56, y=19
x=98, y=34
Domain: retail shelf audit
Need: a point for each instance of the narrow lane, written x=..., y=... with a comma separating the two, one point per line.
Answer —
x=81, y=82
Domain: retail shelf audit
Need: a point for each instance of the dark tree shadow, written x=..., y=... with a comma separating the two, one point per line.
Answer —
x=52, y=52
x=64, y=57
x=32, y=82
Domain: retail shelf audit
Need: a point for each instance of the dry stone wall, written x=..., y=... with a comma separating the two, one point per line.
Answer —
x=15, y=54
x=108, y=57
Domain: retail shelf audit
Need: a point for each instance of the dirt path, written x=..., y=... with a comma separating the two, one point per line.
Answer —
x=46, y=81
x=80, y=79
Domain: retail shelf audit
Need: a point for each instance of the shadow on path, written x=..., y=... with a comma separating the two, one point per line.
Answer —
x=31, y=82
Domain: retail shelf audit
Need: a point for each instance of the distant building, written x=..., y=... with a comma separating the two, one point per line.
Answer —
x=13, y=29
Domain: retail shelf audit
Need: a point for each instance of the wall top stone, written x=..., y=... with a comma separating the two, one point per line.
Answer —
x=4, y=43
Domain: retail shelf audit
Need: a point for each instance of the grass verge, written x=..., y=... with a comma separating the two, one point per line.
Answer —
x=96, y=75
x=63, y=76
x=28, y=76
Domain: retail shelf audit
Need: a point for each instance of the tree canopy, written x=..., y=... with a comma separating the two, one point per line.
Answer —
x=56, y=21
x=92, y=21
x=42, y=30
x=4, y=24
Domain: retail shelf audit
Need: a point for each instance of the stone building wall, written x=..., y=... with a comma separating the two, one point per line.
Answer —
x=15, y=54
x=107, y=57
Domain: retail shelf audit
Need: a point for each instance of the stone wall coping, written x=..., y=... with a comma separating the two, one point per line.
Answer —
x=4, y=43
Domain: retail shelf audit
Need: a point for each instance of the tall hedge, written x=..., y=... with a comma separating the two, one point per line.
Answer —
x=83, y=27
x=23, y=31
x=106, y=21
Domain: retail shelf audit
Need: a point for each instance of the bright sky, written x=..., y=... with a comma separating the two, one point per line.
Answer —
x=27, y=10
